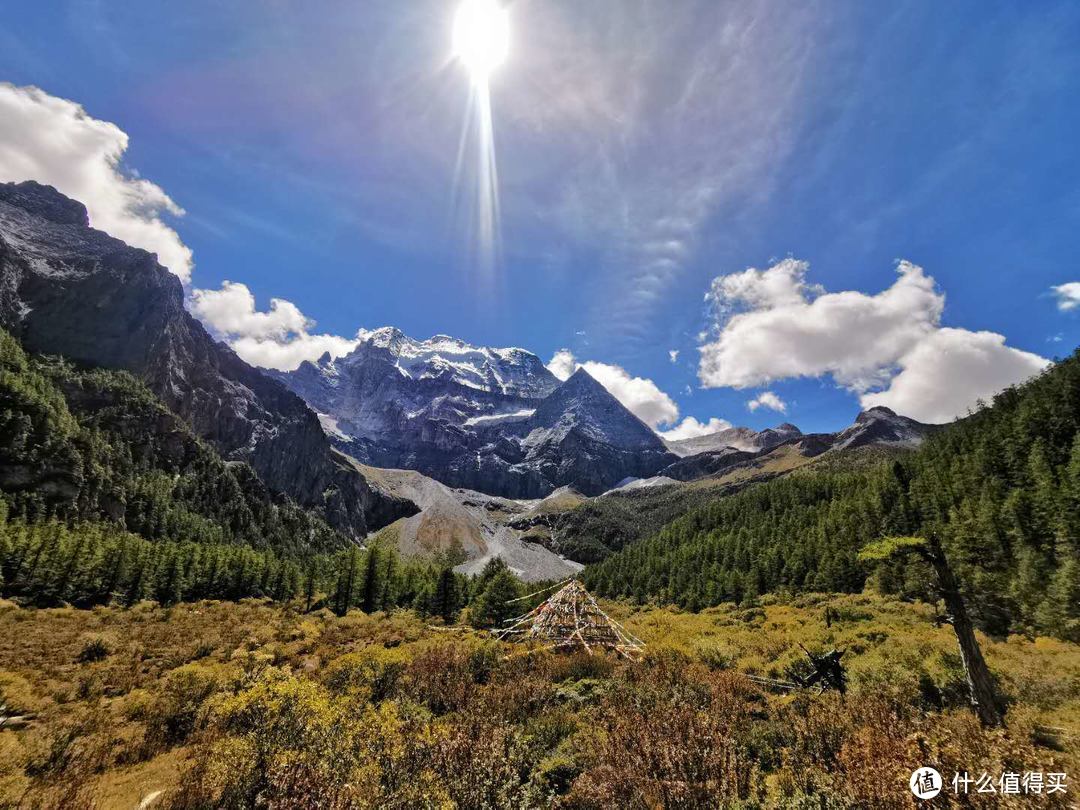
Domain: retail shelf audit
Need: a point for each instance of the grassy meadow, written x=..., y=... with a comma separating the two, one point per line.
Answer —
x=215, y=704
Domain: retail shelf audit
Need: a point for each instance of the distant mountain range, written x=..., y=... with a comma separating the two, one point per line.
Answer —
x=459, y=448
x=497, y=421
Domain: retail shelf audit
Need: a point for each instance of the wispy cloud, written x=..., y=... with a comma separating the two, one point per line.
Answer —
x=622, y=127
x=670, y=116
x=1068, y=295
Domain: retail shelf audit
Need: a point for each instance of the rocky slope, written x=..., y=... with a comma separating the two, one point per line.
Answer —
x=469, y=528
x=490, y=420
x=92, y=445
x=68, y=289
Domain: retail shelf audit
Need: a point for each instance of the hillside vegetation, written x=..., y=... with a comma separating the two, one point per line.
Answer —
x=1000, y=488
x=94, y=445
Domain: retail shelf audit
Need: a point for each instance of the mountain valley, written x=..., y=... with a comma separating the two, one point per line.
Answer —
x=442, y=447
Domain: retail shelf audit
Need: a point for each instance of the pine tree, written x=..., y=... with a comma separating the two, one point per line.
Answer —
x=446, y=597
x=495, y=603
x=373, y=585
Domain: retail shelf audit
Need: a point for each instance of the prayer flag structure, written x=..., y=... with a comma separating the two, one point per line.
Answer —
x=569, y=619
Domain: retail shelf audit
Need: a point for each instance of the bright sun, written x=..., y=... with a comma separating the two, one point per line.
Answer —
x=481, y=37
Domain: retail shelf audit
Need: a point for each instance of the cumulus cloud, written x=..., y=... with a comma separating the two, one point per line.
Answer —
x=1068, y=295
x=767, y=399
x=279, y=338
x=54, y=141
x=889, y=348
x=783, y=284
x=231, y=310
x=691, y=428
x=947, y=373
x=562, y=364
x=783, y=327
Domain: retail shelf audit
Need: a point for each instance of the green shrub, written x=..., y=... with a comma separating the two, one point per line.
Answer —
x=96, y=649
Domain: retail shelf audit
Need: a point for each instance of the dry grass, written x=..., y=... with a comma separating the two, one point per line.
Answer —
x=229, y=705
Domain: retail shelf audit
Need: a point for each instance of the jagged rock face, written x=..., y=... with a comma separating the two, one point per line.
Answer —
x=393, y=397
x=583, y=437
x=491, y=420
x=68, y=289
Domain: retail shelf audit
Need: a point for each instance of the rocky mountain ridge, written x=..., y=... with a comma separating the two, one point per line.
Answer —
x=744, y=439
x=71, y=290
x=497, y=421
x=490, y=420
x=878, y=427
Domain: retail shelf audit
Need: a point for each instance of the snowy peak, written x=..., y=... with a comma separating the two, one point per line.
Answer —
x=877, y=413
x=508, y=371
x=581, y=386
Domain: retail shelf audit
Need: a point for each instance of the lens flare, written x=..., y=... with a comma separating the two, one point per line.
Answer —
x=481, y=37
x=481, y=42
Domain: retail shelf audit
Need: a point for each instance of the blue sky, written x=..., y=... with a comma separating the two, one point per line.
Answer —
x=644, y=150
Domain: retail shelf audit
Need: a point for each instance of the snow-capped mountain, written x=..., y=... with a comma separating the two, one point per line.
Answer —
x=393, y=395
x=493, y=420
x=511, y=372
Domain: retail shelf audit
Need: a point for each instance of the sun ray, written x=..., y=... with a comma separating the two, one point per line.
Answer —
x=481, y=43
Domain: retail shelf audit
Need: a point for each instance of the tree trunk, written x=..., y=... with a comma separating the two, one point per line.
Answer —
x=980, y=683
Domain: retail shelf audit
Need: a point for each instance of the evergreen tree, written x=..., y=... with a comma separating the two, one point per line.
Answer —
x=446, y=596
x=496, y=603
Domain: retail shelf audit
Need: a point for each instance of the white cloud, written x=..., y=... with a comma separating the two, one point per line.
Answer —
x=53, y=141
x=947, y=373
x=562, y=364
x=789, y=330
x=1068, y=295
x=231, y=310
x=691, y=428
x=783, y=284
x=767, y=399
x=673, y=354
x=279, y=338
x=285, y=355
x=771, y=325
